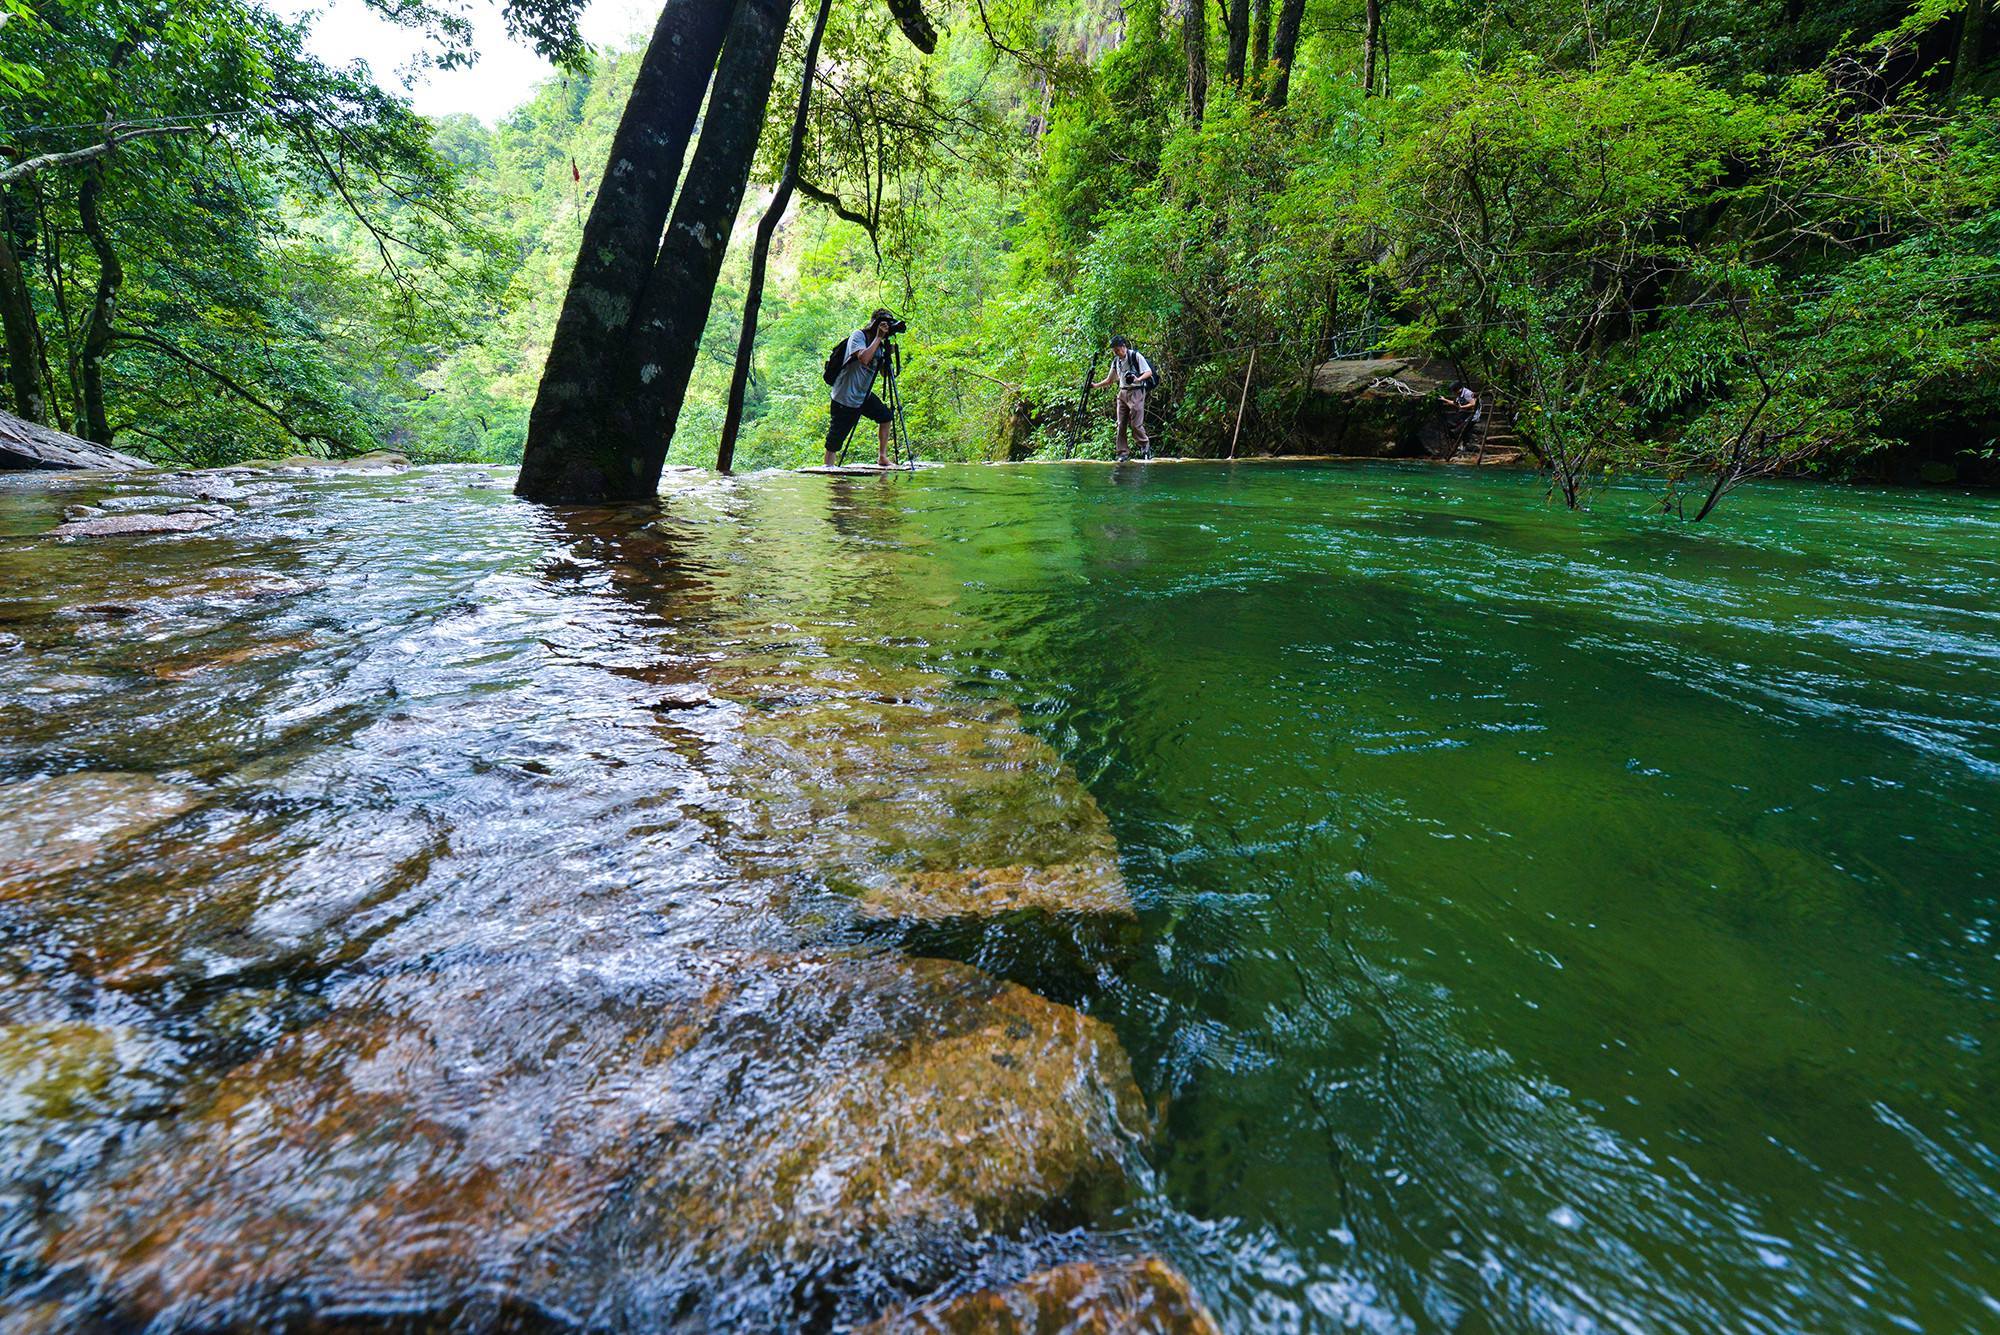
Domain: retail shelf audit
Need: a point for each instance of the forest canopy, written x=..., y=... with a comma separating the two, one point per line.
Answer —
x=1711, y=240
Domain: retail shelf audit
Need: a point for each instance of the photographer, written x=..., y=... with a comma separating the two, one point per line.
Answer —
x=867, y=352
x=1135, y=376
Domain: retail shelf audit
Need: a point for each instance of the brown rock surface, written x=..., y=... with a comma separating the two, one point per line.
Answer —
x=194, y=666
x=451, y=1137
x=922, y=804
x=63, y=821
x=1384, y=377
x=1091, y=887
x=1139, y=1297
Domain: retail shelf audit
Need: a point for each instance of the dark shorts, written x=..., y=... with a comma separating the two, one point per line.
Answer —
x=845, y=418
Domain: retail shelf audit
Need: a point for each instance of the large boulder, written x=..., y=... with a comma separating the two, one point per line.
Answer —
x=705, y=1135
x=1145, y=1296
x=24, y=444
x=1381, y=406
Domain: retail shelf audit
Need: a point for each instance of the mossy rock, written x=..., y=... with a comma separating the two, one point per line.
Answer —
x=51, y=1072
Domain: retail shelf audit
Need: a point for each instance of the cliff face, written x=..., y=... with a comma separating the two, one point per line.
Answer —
x=23, y=444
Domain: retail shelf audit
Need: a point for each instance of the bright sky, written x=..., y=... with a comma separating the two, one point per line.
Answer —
x=501, y=80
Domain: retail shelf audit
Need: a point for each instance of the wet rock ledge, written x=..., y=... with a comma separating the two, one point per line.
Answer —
x=25, y=444
x=569, y=1143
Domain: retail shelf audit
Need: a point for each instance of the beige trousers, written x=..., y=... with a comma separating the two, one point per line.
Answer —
x=1132, y=414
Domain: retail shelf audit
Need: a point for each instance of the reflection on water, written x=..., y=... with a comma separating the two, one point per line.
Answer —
x=1392, y=903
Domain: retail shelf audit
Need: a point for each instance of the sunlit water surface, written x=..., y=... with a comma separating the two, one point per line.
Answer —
x=1543, y=921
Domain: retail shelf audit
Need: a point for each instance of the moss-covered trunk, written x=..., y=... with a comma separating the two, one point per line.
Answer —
x=674, y=309
x=20, y=328
x=575, y=450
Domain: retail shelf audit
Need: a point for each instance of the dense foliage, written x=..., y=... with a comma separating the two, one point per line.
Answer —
x=1716, y=240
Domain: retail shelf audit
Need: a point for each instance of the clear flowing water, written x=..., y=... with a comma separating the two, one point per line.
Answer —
x=1535, y=920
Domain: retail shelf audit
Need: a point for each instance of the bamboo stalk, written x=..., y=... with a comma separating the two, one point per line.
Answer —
x=1241, y=400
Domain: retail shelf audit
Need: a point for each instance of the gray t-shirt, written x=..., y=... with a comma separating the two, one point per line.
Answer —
x=1130, y=367
x=856, y=378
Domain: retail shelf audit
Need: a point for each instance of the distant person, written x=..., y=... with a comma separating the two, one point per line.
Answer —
x=854, y=389
x=1466, y=412
x=1135, y=376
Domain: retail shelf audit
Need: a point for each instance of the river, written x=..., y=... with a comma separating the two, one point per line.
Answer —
x=1388, y=900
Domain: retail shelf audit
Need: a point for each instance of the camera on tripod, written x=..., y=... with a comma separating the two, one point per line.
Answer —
x=892, y=326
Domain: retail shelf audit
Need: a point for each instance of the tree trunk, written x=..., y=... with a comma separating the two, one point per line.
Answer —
x=1284, y=46
x=25, y=355
x=572, y=452
x=103, y=310
x=1371, y=24
x=1971, y=42
x=1239, y=40
x=1260, y=41
x=1194, y=44
x=746, y=340
x=674, y=308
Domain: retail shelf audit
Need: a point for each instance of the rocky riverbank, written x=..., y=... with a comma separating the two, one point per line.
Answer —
x=535, y=945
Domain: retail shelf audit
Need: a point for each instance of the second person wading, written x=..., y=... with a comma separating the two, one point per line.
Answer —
x=1135, y=377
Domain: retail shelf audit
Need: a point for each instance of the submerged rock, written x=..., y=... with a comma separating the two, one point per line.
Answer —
x=66, y=1088
x=572, y=1140
x=1138, y=1297
x=231, y=896
x=137, y=523
x=1093, y=887
x=372, y=461
x=69, y=1070
x=921, y=804
x=55, y=1071
x=184, y=668
x=65, y=820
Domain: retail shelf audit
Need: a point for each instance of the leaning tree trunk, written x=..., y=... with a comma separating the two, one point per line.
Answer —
x=23, y=333
x=1371, y=26
x=1194, y=44
x=1284, y=46
x=674, y=309
x=1239, y=41
x=103, y=309
x=1260, y=40
x=746, y=340
x=573, y=451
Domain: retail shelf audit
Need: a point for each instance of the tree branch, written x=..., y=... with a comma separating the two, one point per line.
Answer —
x=70, y=157
x=235, y=387
x=829, y=200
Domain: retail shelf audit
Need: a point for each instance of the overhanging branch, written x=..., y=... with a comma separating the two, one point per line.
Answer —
x=235, y=387
x=113, y=137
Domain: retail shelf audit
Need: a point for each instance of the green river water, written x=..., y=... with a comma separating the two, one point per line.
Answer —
x=1541, y=921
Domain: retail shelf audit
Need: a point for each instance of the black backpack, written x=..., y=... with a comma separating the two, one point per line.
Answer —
x=836, y=361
